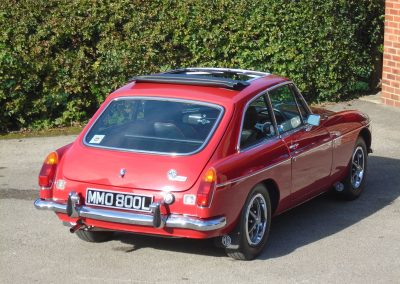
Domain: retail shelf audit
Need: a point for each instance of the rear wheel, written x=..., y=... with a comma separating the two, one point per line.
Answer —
x=254, y=226
x=94, y=236
x=354, y=183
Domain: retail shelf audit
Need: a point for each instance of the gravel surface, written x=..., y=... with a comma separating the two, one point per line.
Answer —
x=322, y=241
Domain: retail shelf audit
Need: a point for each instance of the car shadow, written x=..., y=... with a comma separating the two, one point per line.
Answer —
x=312, y=221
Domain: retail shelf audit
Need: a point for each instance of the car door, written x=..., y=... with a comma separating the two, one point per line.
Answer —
x=310, y=147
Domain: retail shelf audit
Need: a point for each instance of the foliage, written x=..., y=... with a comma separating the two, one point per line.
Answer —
x=60, y=58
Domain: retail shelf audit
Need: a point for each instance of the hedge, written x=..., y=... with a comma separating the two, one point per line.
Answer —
x=60, y=59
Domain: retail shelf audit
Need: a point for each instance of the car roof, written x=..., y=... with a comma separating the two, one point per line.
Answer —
x=216, y=85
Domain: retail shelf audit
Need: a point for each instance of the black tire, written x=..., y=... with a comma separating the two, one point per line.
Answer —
x=246, y=249
x=94, y=236
x=353, y=184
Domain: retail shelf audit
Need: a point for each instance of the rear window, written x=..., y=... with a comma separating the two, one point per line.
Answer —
x=155, y=125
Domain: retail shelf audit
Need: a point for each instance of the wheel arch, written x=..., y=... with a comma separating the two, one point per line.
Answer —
x=273, y=191
x=365, y=133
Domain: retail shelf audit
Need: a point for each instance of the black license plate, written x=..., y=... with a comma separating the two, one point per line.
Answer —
x=118, y=200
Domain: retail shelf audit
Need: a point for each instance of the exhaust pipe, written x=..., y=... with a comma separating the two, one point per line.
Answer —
x=79, y=224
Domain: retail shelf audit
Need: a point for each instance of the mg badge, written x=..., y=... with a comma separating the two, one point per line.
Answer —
x=173, y=176
x=122, y=172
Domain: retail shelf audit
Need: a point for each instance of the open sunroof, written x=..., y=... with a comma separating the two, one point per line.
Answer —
x=236, y=79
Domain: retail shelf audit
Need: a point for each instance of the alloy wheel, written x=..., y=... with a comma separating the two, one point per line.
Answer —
x=256, y=219
x=357, y=167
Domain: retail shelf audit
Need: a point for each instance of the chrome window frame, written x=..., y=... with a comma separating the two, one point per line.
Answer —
x=206, y=141
x=304, y=123
x=270, y=107
x=262, y=141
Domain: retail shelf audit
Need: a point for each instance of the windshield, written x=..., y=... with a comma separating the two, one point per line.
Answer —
x=155, y=125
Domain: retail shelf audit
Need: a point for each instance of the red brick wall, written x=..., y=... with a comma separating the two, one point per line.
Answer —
x=391, y=57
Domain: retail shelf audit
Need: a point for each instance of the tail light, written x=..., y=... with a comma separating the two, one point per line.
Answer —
x=47, y=175
x=206, y=189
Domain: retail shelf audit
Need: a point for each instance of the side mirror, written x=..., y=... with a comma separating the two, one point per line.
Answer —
x=313, y=119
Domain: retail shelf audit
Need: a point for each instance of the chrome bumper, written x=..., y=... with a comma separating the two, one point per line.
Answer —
x=151, y=220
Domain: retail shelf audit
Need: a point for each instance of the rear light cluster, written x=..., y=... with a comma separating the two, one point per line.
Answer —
x=206, y=189
x=47, y=175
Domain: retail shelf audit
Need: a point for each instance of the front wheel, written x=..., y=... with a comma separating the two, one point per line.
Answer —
x=254, y=226
x=354, y=183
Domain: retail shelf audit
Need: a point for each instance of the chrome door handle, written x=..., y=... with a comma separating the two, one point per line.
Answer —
x=294, y=146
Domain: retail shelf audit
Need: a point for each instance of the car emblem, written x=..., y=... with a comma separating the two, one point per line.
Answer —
x=122, y=172
x=173, y=175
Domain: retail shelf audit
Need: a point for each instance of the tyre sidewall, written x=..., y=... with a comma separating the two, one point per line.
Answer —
x=350, y=191
x=248, y=250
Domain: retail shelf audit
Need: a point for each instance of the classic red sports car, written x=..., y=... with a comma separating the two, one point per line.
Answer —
x=203, y=153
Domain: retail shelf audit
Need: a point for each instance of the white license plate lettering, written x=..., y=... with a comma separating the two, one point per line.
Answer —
x=137, y=202
x=128, y=201
x=99, y=197
x=144, y=207
x=118, y=200
x=109, y=198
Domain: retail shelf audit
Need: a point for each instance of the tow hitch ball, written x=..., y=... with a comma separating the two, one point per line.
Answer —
x=79, y=224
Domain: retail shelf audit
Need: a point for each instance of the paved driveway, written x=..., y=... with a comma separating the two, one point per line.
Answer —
x=321, y=241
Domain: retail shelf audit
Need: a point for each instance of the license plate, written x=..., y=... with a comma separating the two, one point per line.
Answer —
x=120, y=200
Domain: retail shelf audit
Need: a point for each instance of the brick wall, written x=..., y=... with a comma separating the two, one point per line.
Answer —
x=391, y=57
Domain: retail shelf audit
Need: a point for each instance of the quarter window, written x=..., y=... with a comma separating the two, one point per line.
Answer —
x=300, y=103
x=285, y=108
x=257, y=124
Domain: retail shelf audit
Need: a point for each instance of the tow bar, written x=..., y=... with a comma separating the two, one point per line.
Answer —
x=79, y=224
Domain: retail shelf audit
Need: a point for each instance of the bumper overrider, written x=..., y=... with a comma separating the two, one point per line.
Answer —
x=155, y=219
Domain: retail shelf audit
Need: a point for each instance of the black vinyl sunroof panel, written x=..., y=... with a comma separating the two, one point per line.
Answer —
x=236, y=79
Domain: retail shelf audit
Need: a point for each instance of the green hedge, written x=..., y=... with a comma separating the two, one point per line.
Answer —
x=59, y=59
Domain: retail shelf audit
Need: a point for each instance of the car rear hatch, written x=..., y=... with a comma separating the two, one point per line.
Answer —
x=144, y=171
x=146, y=143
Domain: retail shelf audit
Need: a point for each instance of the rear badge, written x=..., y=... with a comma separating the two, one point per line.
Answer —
x=173, y=176
x=122, y=172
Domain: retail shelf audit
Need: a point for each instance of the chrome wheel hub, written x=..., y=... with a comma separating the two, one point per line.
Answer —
x=256, y=219
x=357, y=167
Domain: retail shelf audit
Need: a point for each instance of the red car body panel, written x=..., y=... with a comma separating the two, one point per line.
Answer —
x=320, y=159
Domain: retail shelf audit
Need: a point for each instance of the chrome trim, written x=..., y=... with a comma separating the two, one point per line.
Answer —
x=294, y=130
x=299, y=154
x=171, y=221
x=242, y=121
x=208, y=138
x=243, y=71
x=270, y=167
x=303, y=101
x=273, y=115
x=186, y=222
x=239, y=179
x=350, y=132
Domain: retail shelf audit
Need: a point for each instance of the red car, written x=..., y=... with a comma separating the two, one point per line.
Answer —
x=203, y=153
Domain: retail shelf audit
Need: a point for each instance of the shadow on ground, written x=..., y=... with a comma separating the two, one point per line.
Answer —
x=308, y=223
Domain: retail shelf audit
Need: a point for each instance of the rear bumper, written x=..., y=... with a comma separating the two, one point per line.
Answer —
x=155, y=219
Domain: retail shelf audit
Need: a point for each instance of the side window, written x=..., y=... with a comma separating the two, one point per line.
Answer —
x=300, y=103
x=285, y=108
x=257, y=124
